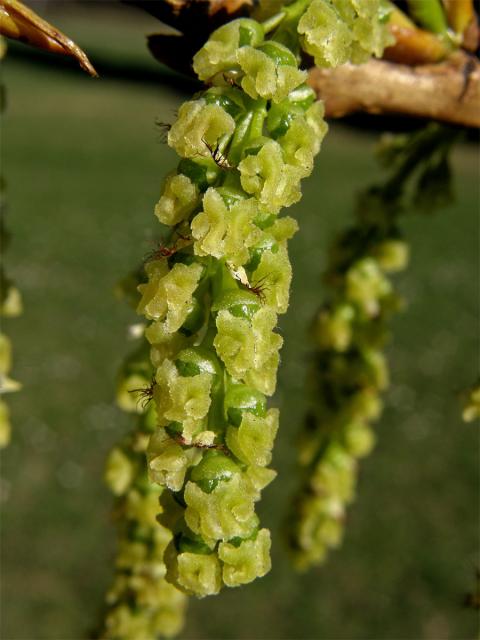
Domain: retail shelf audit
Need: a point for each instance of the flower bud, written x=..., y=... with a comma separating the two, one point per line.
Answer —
x=341, y=32
x=199, y=123
x=199, y=574
x=168, y=294
x=214, y=467
x=225, y=512
x=267, y=176
x=392, y=255
x=333, y=327
x=366, y=286
x=225, y=231
x=168, y=461
x=274, y=273
x=182, y=399
x=196, y=360
x=239, y=303
x=252, y=441
x=247, y=560
x=178, y=200
x=119, y=471
x=271, y=71
x=239, y=398
x=220, y=51
x=249, y=349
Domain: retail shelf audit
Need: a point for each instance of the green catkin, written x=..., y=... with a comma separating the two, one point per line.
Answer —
x=349, y=371
x=471, y=403
x=10, y=306
x=140, y=604
x=245, y=144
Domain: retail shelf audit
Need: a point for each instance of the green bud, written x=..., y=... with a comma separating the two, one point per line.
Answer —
x=229, y=99
x=246, y=561
x=240, y=398
x=471, y=403
x=182, y=399
x=199, y=123
x=274, y=273
x=174, y=429
x=280, y=116
x=196, y=360
x=266, y=75
x=358, y=439
x=187, y=540
x=335, y=33
x=299, y=144
x=231, y=195
x=264, y=220
x=269, y=178
x=219, y=54
x=267, y=244
x=249, y=349
x=195, y=318
x=224, y=513
x=199, y=574
x=178, y=200
x=7, y=385
x=392, y=255
x=252, y=441
x=366, y=285
x=303, y=96
x=167, y=295
x=241, y=304
x=333, y=327
x=119, y=471
x=168, y=461
x=225, y=231
x=280, y=54
x=251, y=32
x=214, y=467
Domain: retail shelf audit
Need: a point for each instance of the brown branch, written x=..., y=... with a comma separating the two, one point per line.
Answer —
x=449, y=91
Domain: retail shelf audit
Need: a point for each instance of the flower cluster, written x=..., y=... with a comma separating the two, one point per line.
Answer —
x=349, y=373
x=214, y=303
x=214, y=292
x=140, y=603
x=338, y=31
x=349, y=370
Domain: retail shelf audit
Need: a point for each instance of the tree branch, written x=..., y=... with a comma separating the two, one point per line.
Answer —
x=449, y=91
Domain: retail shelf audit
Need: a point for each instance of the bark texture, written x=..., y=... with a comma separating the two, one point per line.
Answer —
x=448, y=91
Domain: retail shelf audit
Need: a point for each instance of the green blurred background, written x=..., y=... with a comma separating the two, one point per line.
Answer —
x=84, y=164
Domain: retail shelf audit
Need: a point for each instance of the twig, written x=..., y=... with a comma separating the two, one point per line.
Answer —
x=449, y=91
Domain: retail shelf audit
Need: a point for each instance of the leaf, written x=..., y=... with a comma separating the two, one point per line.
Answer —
x=21, y=23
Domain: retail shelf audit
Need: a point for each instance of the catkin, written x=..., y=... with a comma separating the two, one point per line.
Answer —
x=10, y=304
x=349, y=371
x=213, y=299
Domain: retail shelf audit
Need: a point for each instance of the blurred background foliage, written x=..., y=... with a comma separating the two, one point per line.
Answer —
x=84, y=164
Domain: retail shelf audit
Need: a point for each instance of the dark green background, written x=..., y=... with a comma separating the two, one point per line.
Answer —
x=84, y=166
